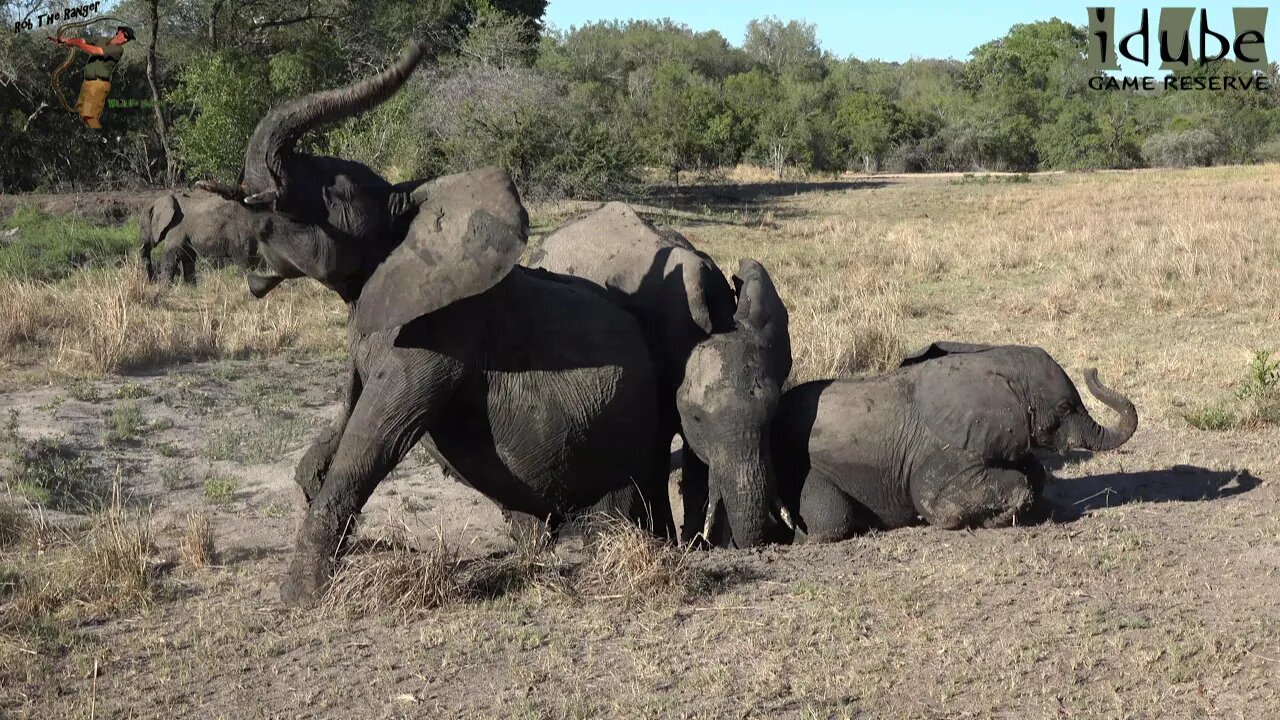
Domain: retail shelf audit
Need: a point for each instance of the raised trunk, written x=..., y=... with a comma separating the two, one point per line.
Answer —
x=1097, y=437
x=266, y=159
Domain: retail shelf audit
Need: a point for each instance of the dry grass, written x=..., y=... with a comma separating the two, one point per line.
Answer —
x=1165, y=281
x=108, y=320
x=399, y=579
x=14, y=524
x=106, y=567
x=620, y=562
x=197, y=549
x=624, y=562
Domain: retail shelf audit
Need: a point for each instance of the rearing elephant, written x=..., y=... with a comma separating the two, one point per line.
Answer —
x=531, y=387
x=948, y=438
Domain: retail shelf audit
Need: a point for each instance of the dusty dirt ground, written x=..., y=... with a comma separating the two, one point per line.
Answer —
x=1153, y=593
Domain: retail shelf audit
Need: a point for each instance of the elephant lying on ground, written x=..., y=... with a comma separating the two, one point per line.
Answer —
x=682, y=301
x=187, y=225
x=948, y=438
x=531, y=387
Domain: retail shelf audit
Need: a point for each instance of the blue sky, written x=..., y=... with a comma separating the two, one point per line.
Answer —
x=875, y=30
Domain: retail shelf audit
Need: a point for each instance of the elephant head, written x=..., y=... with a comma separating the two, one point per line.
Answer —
x=1000, y=402
x=339, y=198
x=730, y=392
x=469, y=232
x=326, y=218
x=154, y=222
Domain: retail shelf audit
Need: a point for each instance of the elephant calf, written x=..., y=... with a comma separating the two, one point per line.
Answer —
x=948, y=437
x=186, y=225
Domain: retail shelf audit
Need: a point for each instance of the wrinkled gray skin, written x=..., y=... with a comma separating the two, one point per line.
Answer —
x=683, y=301
x=531, y=387
x=187, y=225
x=948, y=438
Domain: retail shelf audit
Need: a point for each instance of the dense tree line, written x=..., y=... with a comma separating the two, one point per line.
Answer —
x=580, y=112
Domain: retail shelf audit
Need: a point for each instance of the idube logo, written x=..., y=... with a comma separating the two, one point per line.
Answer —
x=1175, y=41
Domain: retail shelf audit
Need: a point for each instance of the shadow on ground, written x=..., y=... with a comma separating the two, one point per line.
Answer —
x=735, y=203
x=1073, y=498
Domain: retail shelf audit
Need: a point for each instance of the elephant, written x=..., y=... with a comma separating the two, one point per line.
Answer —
x=532, y=387
x=185, y=225
x=948, y=437
x=684, y=302
x=341, y=197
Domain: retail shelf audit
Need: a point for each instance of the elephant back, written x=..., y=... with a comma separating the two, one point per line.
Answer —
x=973, y=400
x=679, y=294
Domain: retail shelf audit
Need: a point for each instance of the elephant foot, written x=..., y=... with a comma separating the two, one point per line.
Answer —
x=314, y=559
x=308, y=578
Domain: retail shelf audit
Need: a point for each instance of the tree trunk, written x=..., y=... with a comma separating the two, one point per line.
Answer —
x=162, y=125
x=213, y=23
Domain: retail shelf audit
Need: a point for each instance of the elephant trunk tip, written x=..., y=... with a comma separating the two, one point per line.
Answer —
x=1107, y=438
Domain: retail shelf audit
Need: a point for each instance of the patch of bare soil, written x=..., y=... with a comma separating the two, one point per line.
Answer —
x=112, y=207
x=1154, y=593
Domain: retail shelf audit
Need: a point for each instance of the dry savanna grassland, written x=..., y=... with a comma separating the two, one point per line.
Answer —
x=147, y=505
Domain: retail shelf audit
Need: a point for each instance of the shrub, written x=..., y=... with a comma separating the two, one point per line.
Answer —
x=1186, y=148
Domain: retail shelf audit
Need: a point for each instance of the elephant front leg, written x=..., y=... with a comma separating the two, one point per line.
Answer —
x=314, y=465
x=377, y=436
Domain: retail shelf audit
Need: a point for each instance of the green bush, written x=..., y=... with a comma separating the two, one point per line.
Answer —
x=227, y=95
x=1186, y=148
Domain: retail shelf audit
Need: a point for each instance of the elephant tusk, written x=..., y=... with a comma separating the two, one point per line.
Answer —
x=784, y=514
x=713, y=505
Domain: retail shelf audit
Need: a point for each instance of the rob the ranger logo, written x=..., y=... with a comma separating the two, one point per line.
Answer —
x=1175, y=44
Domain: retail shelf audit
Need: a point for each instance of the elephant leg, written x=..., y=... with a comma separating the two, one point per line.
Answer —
x=188, y=260
x=979, y=496
x=830, y=515
x=313, y=467
x=169, y=260
x=693, y=494
x=382, y=428
x=651, y=510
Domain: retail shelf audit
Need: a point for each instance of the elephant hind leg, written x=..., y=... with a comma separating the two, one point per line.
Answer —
x=830, y=515
x=314, y=466
x=982, y=496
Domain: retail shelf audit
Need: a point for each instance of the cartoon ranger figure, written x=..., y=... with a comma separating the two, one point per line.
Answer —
x=106, y=55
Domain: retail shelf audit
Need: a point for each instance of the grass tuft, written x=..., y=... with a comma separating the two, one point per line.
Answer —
x=196, y=549
x=219, y=489
x=400, y=579
x=625, y=562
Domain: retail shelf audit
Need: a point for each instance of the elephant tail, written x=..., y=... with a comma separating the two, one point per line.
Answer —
x=1101, y=438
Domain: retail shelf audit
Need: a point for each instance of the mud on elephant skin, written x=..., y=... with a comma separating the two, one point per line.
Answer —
x=186, y=225
x=947, y=438
x=687, y=310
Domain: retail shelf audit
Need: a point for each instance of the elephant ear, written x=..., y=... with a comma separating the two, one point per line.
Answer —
x=469, y=232
x=970, y=400
x=942, y=348
x=165, y=213
x=760, y=308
